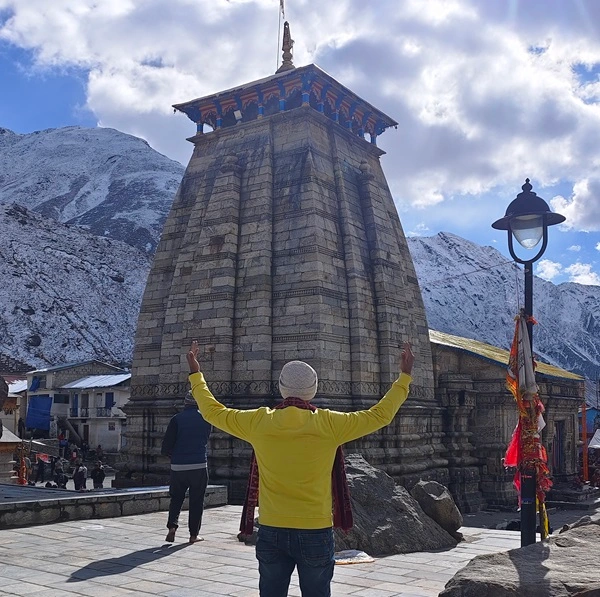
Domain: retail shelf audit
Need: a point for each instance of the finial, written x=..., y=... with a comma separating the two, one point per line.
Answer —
x=527, y=187
x=288, y=44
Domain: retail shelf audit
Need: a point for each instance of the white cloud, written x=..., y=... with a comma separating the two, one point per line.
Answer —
x=598, y=247
x=582, y=209
x=420, y=229
x=548, y=270
x=575, y=248
x=478, y=108
x=582, y=273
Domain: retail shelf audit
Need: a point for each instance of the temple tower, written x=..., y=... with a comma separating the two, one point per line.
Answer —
x=283, y=242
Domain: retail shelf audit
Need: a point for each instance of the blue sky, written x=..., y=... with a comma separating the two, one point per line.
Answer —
x=486, y=92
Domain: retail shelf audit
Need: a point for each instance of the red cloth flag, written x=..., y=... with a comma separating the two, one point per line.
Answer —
x=525, y=450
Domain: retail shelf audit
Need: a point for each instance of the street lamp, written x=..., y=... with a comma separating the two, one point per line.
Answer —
x=527, y=219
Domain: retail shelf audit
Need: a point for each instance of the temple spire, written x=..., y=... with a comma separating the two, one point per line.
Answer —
x=288, y=44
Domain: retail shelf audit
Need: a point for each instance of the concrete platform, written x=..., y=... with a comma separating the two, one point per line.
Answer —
x=29, y=505
x=127, y=556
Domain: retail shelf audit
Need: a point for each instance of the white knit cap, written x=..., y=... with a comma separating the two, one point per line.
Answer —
x=298, y=380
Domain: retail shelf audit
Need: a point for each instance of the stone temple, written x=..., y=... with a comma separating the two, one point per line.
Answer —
x=283, y=242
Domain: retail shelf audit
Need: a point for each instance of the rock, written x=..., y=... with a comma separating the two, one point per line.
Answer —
x=437, y=503
x=565, y=565
x=387, y=519
x=587, y=519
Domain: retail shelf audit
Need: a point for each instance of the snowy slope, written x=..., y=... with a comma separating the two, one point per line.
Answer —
x=475, y=292
x=65, y=294
x=112, y=184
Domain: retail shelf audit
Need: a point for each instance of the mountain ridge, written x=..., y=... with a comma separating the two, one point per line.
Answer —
x=81, y=211
x=105, y=181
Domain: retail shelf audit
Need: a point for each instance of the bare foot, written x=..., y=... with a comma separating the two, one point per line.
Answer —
x=195, y=539
x=170, y=536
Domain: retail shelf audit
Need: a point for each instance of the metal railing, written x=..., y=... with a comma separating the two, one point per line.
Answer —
x=86, y=413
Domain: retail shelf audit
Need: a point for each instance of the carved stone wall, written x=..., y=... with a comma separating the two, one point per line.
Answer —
x=488, y=426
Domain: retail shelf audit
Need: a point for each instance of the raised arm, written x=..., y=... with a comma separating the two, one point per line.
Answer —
x=236, y=422
x=349, y=426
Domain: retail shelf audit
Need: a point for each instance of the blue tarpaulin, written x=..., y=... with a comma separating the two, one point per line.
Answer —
x=38, y=412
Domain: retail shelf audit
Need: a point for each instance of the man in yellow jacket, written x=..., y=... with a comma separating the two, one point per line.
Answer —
x=295, y=449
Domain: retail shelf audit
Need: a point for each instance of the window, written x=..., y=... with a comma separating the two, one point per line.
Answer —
x=38, y=382
x=61, y=398
x=109, y=399
x=111, y=426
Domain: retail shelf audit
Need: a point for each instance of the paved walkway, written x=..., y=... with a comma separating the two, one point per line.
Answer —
x=115, y=557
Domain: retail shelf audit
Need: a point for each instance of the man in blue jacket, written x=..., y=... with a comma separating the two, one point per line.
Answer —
x=185, y=443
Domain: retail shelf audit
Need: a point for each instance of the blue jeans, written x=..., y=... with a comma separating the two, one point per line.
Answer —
x=279, y=551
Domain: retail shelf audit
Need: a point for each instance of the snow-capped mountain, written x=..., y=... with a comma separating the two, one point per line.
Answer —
x=111, y=183
x=72, y=292
x=475, y=292
x=66, y=295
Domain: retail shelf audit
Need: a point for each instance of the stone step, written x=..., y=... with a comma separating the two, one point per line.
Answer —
x=591, y=504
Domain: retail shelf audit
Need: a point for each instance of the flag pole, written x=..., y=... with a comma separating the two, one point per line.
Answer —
x=528, y=472
x=584, y=464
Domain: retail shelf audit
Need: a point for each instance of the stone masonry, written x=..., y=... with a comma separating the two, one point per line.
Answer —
x=283, y=242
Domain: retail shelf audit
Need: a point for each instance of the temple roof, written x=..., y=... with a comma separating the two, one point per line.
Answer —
x=496, y=355
x=302, y=86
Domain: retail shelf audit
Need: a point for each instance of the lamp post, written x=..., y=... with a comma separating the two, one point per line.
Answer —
x=527, y=219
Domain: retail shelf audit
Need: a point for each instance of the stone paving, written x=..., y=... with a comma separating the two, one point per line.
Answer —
x=115, y=557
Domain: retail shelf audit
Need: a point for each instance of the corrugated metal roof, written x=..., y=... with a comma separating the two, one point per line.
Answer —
x=495, y=354
x=17, y=386
x=96, y=381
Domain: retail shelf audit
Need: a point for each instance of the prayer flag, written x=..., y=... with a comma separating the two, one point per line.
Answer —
x=525, y=450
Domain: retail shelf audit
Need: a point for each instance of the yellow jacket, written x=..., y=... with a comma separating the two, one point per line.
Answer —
x=295, y=450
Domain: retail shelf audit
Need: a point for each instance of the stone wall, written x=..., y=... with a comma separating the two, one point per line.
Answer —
x=489, y=421
x=64, y=376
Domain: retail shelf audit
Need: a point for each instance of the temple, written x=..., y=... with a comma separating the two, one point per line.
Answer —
x=283, y=242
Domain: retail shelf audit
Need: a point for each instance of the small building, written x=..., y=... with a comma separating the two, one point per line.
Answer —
x=10, y=412
x=83, y=398
x=12, y=373
x=481, y=415
x=8, y=446
x=95, y=408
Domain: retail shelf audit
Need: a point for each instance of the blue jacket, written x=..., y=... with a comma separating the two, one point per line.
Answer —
x=186, y=437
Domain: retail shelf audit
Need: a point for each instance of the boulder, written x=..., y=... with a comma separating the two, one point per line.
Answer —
x=566, y=564
x=437, y=503
x=387, y=519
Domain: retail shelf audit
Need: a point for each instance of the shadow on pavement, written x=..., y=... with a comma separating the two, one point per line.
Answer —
x=124, y=563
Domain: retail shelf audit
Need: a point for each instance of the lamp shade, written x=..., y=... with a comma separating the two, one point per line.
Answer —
x=527, y=217
x=528, y=230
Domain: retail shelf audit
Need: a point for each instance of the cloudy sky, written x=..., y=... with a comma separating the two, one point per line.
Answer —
x=486, y=92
